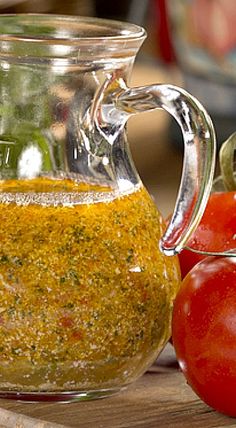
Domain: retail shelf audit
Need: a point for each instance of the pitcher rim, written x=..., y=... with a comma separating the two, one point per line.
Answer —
x=126, y=31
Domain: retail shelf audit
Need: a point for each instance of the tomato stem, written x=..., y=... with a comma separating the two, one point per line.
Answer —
x=227, y=163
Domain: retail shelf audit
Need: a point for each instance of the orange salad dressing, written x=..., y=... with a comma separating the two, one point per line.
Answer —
x=85, y=294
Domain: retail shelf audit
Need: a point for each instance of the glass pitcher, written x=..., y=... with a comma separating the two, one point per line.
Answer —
x=86, y=284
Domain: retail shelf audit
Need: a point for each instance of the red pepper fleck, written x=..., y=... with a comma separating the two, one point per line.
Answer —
x=66, y=321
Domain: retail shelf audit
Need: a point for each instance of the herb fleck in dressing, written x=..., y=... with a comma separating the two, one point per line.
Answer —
x=85, y=294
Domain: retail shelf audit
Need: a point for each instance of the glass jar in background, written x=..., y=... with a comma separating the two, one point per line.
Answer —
x=203, y=33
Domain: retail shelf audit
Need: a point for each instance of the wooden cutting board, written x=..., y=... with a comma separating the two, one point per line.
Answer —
x=9, y=419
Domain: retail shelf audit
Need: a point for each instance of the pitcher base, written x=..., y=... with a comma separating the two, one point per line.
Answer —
x=62, y=397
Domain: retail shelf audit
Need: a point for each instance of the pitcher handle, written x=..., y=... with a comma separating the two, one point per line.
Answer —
x=199, y=153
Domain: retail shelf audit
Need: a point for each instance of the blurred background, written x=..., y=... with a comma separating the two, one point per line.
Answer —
x=190, y=43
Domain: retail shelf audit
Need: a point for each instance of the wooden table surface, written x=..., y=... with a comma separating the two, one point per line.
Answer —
x=161, y=398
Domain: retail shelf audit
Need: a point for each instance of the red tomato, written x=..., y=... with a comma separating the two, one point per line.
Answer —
x=204, y=331
x=207, y=17
x=187, y=260
x=216, y=231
